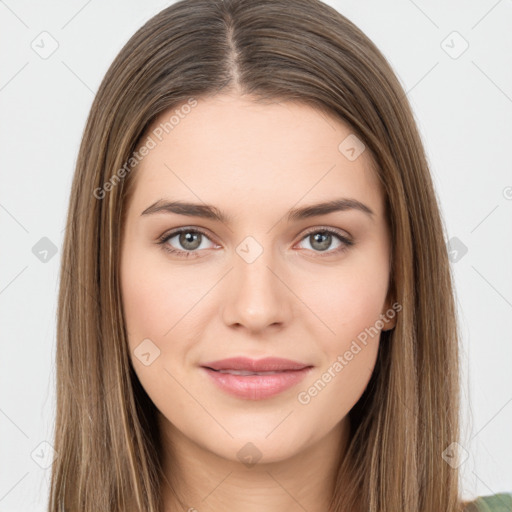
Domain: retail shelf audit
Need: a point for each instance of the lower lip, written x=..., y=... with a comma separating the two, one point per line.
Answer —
x=257, y=387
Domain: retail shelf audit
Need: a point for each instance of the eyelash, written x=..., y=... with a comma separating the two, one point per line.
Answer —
x=187, y=254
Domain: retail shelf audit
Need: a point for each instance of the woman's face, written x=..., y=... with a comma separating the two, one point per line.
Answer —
x=272, y=278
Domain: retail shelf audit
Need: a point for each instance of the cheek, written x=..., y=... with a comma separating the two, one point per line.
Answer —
x=349, y=347
x=164, y=306
x=348, y=299
x=155, y=305
x=348, y=303
x=154, y=299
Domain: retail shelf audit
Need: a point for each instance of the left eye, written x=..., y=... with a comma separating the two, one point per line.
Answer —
x=321, y=239
x=191, y=240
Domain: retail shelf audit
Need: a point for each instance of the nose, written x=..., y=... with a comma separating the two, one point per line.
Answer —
x=257, y=294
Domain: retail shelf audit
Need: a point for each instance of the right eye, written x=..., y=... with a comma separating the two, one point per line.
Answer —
x=190, y=239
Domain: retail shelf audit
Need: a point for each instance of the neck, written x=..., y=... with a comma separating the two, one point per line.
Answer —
x=199, y=480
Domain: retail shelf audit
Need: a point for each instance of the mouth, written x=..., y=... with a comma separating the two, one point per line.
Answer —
x=265, y=365
x=247, y=372
x=252, y=384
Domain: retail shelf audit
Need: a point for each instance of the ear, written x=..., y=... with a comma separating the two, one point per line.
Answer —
x=389, y=314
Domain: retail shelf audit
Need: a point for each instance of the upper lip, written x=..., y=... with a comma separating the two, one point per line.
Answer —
x=255, y=365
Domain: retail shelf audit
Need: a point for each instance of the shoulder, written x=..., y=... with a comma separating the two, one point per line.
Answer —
x=501, y=502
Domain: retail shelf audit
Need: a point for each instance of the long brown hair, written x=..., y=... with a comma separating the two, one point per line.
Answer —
x=106, y=434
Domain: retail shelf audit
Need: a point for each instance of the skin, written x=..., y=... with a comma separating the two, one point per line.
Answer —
x=254, y=162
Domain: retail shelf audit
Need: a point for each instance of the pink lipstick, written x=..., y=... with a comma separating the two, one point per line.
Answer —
x=256, y=379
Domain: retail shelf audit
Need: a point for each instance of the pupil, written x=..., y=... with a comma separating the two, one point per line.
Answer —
x=324, y=240
x=189, y=240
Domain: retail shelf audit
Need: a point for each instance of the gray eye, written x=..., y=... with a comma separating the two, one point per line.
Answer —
x=321, y=240
x=190, y=240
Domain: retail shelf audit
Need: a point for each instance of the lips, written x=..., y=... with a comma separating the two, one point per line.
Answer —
x=254, y=366
x=256, y=379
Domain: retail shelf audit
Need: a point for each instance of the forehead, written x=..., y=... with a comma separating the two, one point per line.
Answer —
x=228, y=148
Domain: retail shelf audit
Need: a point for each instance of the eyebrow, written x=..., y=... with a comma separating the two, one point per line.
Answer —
x=211, y=212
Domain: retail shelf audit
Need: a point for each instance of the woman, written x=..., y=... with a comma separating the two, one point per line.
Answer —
x=256, y=304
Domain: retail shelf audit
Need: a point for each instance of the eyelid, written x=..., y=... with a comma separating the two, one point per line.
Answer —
x=176, y=231
x=345, y=239
x=336, y=231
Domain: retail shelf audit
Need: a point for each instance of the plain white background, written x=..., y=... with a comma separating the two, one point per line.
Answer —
x=462, y=99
